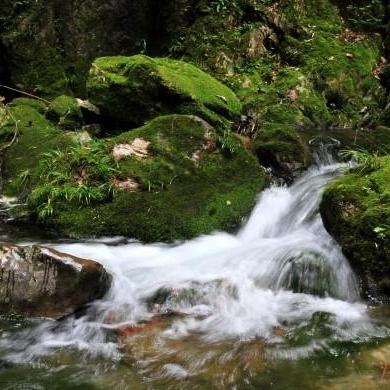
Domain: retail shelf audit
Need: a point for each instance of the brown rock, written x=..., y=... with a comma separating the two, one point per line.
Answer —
x=43, y=282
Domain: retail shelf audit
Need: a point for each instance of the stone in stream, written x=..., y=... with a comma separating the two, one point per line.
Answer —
x=43, y=282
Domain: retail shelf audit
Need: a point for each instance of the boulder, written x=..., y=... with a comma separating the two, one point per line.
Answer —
x=49, y=46
x=39, y=281
x=356, y=211
x=175, y=178
x=175, y=168
x=132, y=90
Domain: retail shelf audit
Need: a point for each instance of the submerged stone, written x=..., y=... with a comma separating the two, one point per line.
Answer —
x=309, y=273
x=38, y=281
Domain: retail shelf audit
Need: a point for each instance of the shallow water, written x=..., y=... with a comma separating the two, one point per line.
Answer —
x=274, y=306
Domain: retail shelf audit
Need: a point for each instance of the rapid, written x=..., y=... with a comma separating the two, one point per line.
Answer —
x=280, y=287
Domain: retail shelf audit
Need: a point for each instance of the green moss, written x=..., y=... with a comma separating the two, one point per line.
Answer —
x=173, y=142
x=308, y=75
x=193, y=180
x=135, y=89
x=64, y=111
x=180, y=196
x=282, y=149
x=356, y=210
x=38, y=105
x=6, y=131
x=36, y=136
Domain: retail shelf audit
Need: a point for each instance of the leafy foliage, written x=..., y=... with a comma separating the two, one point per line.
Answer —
x=382, y=232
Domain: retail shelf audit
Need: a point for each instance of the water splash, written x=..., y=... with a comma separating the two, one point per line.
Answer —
x=277, y=273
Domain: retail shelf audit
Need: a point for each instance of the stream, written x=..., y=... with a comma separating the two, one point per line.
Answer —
x=274, y=306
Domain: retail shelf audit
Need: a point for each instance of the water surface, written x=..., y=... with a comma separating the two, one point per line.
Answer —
x=274, y=306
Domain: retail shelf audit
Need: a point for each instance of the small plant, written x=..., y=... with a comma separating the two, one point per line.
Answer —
x=227, y=143
x=382, y=232
x=366, y=162
x=79, y=175
x=219, y=5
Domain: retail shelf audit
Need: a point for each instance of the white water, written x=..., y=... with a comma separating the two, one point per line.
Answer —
x=280, y=269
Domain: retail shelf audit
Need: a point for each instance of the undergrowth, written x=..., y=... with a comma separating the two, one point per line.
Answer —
x=79, y=175
x=366, y=162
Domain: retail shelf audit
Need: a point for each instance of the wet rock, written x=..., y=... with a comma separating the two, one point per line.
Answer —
x=284, y=151
x=38, y=281
x=153, y=326
x=308, y=273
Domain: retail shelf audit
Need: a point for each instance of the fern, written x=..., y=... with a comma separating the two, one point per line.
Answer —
x=78, y=175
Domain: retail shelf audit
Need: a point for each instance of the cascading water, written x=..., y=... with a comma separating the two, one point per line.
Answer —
x=280, y=273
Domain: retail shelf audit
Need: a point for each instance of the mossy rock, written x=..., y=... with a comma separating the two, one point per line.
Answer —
x=135, y=89
x=356, y=211
x=283, y=150
x=36, y=104
x=183, y=184
x=280, y=145
x=36, y=136
x=191, y=179
x=65, y=112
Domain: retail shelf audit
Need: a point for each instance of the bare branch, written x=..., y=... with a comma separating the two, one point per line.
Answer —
x=25, y=93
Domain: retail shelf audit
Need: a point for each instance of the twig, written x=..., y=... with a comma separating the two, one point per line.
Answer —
x=16, y=132
x=25, y=93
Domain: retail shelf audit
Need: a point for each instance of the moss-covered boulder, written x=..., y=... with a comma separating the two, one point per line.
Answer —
x=50, y=44
x=35, y=136
x=132, y=90
x=65, y=112
x=173, y=178
x=356, y=211
x=280, y=146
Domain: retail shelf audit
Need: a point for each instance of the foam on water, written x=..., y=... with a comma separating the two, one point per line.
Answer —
x=280, y=269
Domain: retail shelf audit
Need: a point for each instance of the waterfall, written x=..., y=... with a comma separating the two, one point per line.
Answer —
x=278, y=271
